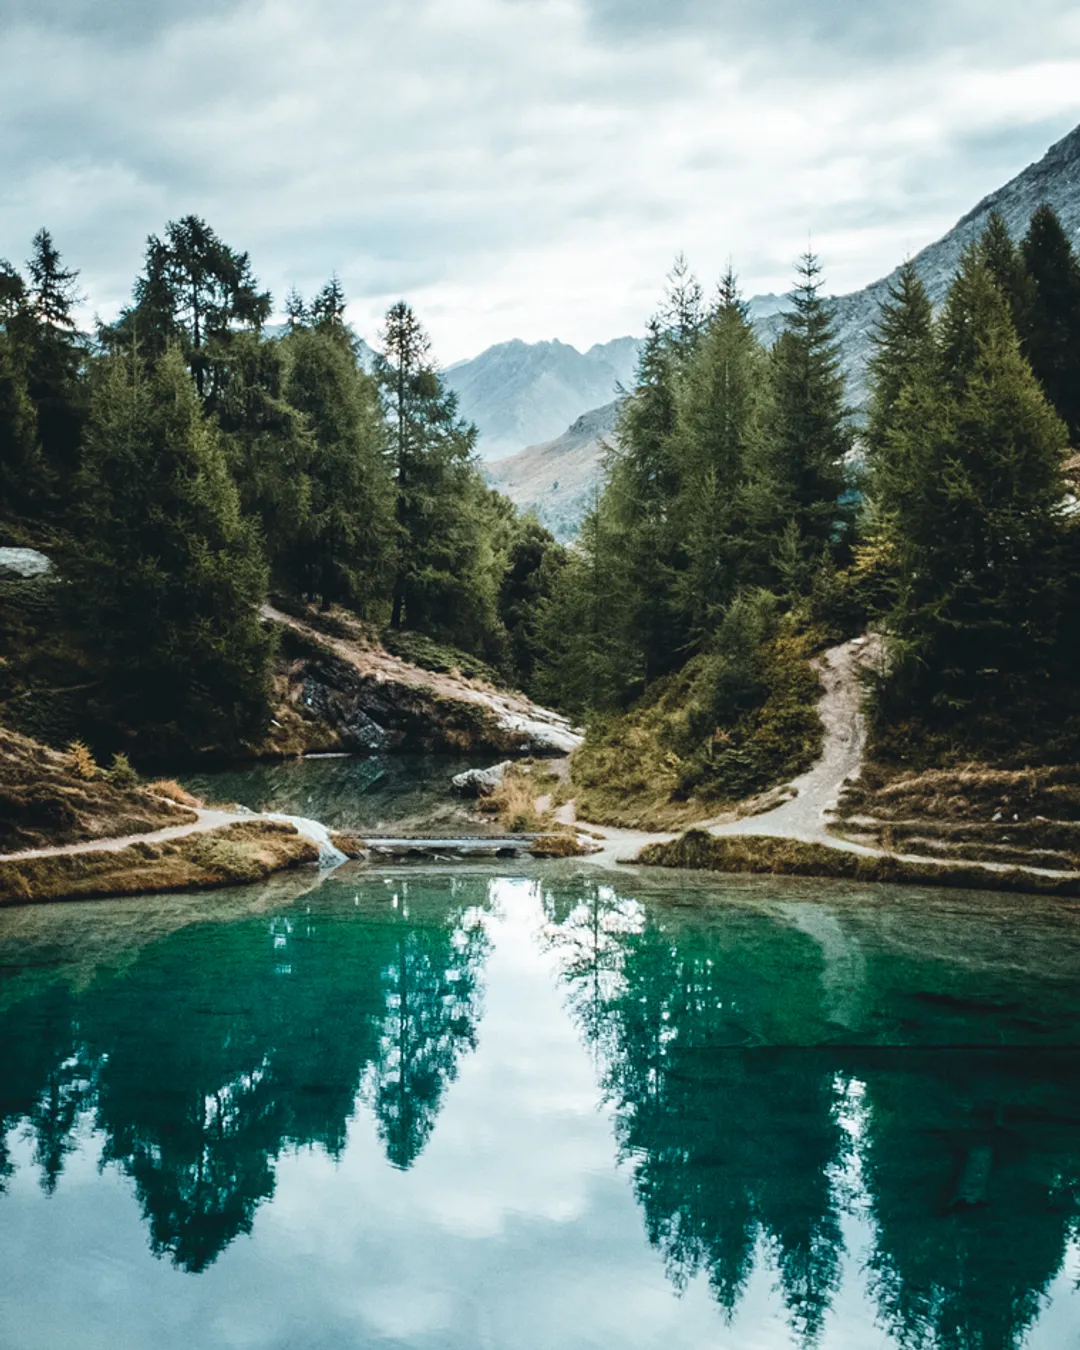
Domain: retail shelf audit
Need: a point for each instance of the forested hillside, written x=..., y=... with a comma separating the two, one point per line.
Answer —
x=750, y=518
x=181, y=464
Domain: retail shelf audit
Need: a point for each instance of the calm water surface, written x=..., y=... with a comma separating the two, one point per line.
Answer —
x=558, y=1109
x=407, y=794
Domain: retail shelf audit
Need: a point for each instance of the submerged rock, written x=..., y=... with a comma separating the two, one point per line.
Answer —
x=480, y=782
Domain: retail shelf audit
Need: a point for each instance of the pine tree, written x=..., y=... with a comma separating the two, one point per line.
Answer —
x=720, y=408
x=1053, y=335
x=446, y=573
x=270, y=449
x=328, y=306
x=533, y=565
x=640, y=497
x=590, y=661
x=1005, y=263
x=195, y=292
x=168, y=576
x=23, y=478
x=682, y=316
x=54, y=360
x=975, y=487
x=903, y=347
x=802, y=475
x=344, y=549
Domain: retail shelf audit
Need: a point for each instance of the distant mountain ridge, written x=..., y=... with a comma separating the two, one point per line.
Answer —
x=559, y=477
x=1054, y=179
x=521, y=393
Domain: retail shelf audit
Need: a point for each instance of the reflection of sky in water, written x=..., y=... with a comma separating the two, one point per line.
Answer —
x=513, y=1227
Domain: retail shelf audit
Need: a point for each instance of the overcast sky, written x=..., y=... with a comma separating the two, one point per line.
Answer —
x=520, y=168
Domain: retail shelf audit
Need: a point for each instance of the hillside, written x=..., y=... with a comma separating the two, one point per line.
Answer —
x=521, y=394
x=559, y=478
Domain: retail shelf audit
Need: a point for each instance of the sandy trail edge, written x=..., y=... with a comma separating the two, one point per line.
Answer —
x=208, y=819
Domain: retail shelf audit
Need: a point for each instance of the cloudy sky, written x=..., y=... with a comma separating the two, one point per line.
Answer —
x=520, y=168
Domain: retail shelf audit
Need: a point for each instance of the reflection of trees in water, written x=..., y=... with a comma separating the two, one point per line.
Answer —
x=432, y=1008
x=727, y=1080
x=972, y=1164
x=729, y=1140
x=225, y=1045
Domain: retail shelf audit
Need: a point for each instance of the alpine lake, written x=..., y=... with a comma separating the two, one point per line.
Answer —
x=536, y=1107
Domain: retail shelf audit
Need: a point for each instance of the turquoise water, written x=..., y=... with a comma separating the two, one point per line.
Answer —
x=557, y=1109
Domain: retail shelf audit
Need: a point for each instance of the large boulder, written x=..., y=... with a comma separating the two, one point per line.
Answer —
x=480, y=782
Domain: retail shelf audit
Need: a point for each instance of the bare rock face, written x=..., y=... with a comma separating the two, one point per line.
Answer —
x=325, y=704
x=23, y=564
x=338, y=708
x=480, y=782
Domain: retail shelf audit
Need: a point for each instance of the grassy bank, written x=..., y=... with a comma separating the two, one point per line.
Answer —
x=716, y=733
x=232, y=856
x=792, y=857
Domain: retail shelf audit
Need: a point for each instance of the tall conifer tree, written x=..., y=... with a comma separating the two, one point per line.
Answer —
x=808, y=434
x=720, y=424
x=1053, y=337
x=446, y=572
x=168, y=576
x=975, y=487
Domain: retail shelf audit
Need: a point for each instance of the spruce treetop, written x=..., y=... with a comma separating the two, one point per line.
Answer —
x=53, y=287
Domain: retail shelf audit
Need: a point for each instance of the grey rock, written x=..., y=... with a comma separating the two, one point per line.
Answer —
x=23, y=564
x=339, y=709
x=480, y=782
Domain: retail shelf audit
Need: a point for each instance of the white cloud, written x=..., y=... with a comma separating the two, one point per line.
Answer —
x=521, y=168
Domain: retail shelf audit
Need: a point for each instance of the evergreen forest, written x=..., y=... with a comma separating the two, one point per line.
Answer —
x=188, y=461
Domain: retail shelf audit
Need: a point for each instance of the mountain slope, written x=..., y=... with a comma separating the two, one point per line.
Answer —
x=1054, y=179
x=520, y=393
x=559, y=478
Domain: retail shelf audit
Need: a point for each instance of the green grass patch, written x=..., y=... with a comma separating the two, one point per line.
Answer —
x=725, y=727
x=438, y=656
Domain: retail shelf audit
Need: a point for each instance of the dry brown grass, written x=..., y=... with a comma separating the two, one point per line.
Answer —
x=514, y=801
x=973, y=793
x=170, y=788
x=558, y=846
x=44, y=801
x=234, y=855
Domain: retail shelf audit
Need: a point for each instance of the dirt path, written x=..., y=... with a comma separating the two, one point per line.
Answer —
x=208, y=819
x=514, y=712
x=813, y=795
x=816, y=792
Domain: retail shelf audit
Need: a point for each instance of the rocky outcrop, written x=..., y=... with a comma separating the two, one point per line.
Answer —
x=347, y=693
x=23, y=564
